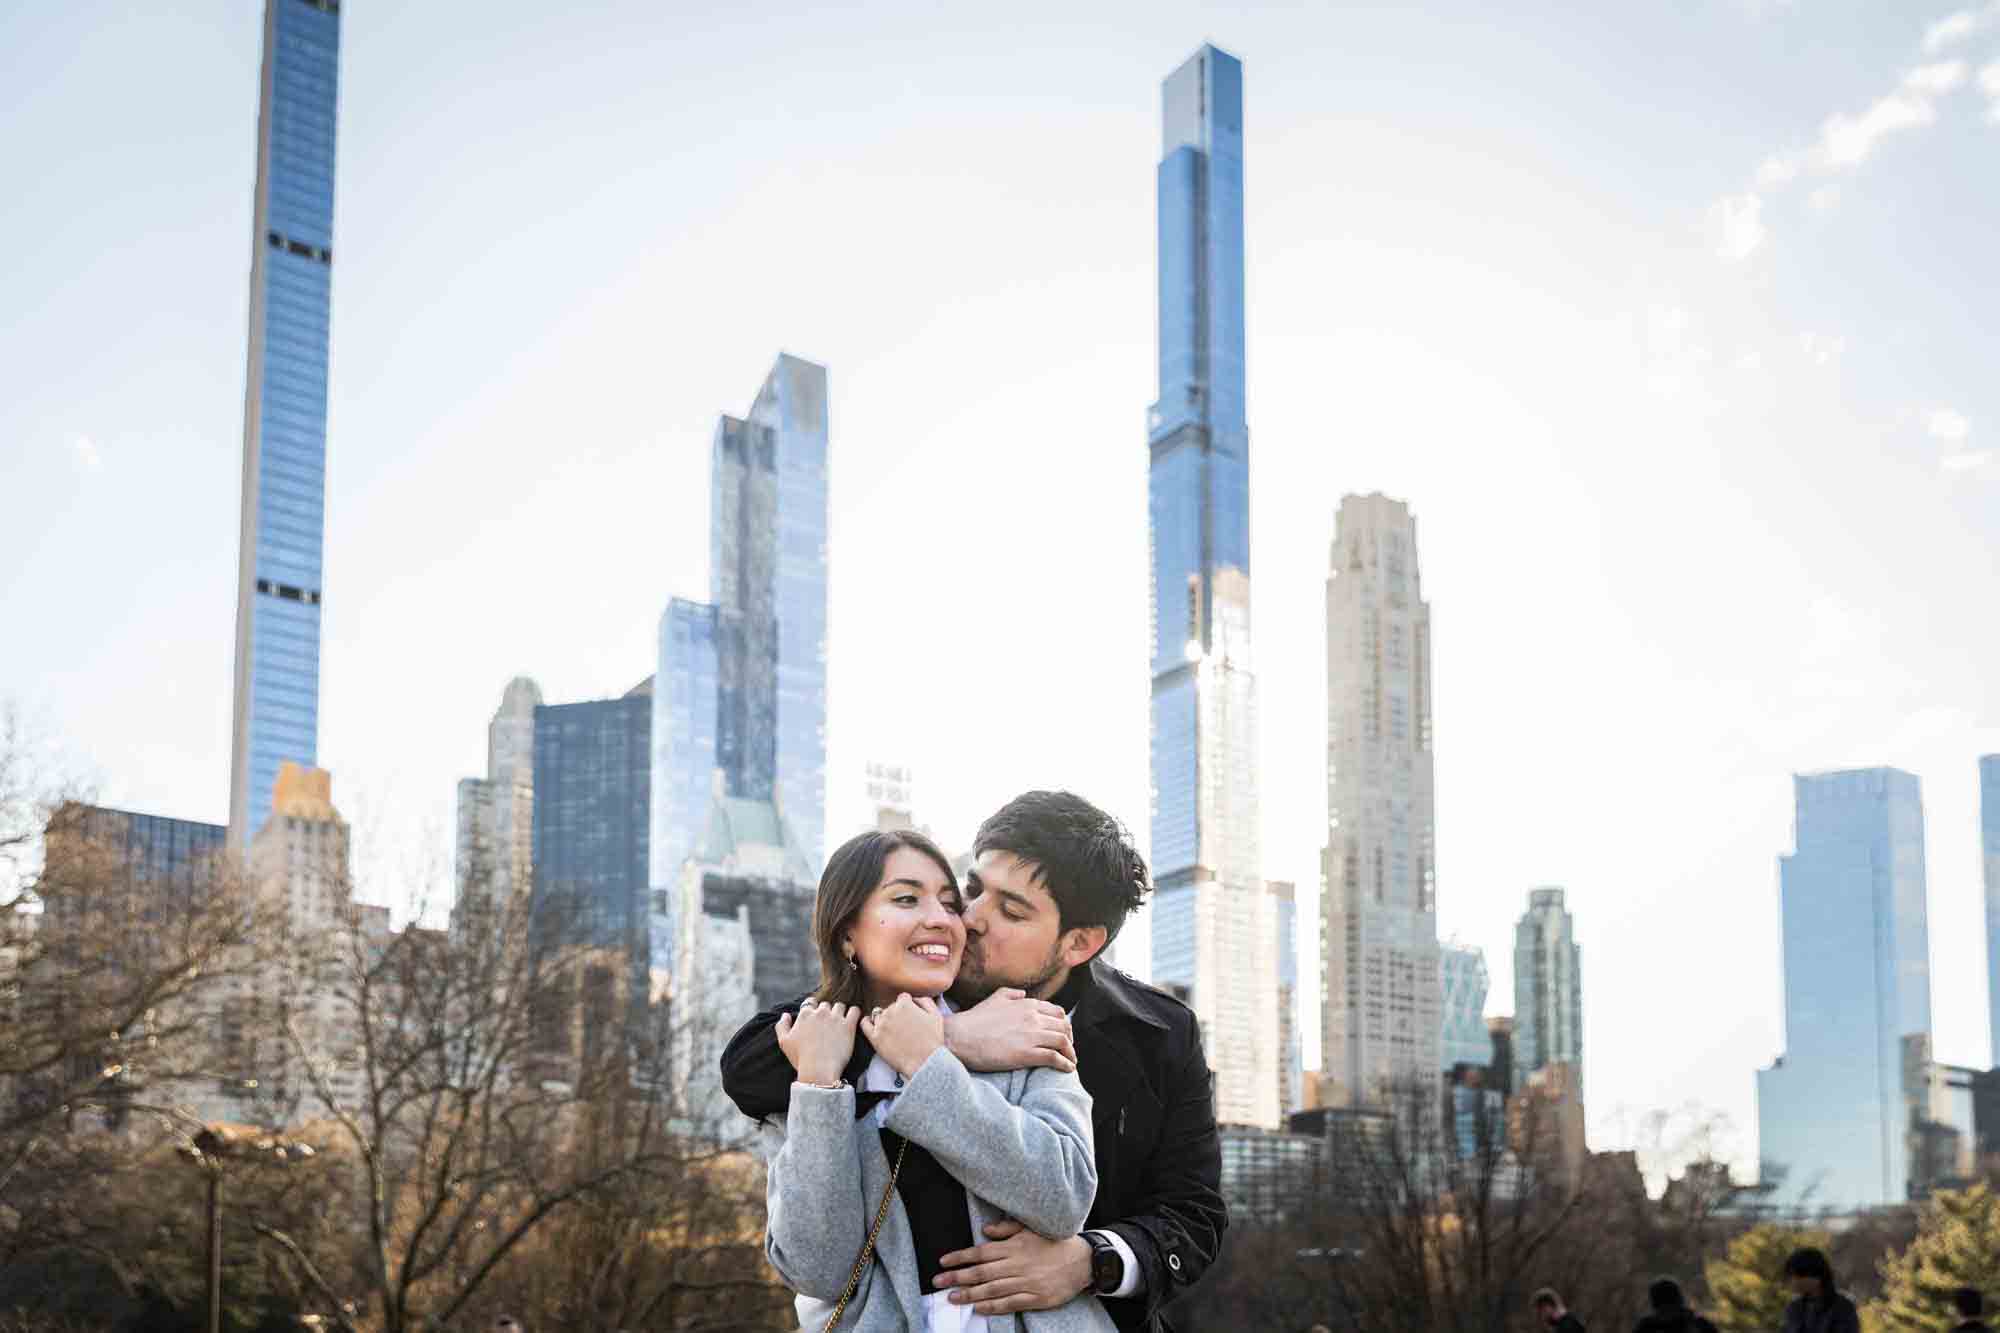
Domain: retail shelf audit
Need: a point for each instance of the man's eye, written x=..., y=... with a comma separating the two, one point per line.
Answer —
x=1013, y=916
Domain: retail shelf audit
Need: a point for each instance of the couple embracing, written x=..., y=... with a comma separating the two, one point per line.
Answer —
x=976, y=1124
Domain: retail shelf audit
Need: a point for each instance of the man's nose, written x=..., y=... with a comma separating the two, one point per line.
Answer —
x=975, y=917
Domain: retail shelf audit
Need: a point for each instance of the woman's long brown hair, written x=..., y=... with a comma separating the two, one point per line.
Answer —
x=852, y=873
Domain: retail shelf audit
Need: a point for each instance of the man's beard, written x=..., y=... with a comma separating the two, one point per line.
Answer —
x=971, y=988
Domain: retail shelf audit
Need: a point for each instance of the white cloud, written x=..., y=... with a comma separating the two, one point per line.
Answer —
x=1847, y=141
x=1950, y=29
x=1936, y=80
x=1778, y=169
x=1949, y=426
x=86, y=454
x=1736, y=226
x=1749, y=359
x=1954, y=28
x=1970, y=461
x=1823, y=199
x=1989, y=83
x=1820, y=348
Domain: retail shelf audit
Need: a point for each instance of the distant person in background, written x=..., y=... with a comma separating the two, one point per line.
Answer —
x=1818, y=1307
x=1970, y=1305
x=1549, y=1308
x=1670, y=1313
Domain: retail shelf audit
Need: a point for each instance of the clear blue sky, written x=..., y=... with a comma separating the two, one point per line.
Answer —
x=1674, y=324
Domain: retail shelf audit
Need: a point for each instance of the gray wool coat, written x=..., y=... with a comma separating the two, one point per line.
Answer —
x=1018, y=1140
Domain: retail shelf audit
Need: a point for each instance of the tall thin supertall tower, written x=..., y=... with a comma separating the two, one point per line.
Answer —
x=1214, y=926
x=1989, y=848
x=284, y=410
x=1379, y=955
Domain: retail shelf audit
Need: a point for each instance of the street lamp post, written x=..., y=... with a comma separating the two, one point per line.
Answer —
x=208, y=1150
x=1333, y=1255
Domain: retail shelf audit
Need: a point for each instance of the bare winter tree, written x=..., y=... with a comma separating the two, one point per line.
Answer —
x=107, y=961
x=495, y=1086
x=1433, y=1213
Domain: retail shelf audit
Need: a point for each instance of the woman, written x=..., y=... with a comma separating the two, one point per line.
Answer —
x=891, y=1138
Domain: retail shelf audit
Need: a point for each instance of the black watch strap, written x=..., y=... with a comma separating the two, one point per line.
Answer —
x=1107, y=1266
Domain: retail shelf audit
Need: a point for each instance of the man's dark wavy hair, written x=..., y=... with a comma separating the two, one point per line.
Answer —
x=1083, y=856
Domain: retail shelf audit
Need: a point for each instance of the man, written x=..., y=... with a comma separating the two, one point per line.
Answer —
x=1549, y=1308
x=1052, y=881
x=1670, y=1313
x=1970, y=1305
x=1818, y=1307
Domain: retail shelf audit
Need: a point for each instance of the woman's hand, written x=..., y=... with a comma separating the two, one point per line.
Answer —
x=819, y=1041
x=906, y=1033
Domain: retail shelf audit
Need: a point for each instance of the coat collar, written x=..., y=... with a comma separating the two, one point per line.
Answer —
x=1108, y=995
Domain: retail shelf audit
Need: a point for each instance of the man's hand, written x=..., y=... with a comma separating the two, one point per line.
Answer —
x=1016, y=1270
x=1007, y=1030
x=905, y=1034
x=820, y=1040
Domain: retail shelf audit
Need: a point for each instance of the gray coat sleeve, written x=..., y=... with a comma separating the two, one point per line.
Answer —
x=1033, y=1161
x=815, y=1217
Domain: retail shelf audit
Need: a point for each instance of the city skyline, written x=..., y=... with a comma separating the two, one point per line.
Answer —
x=482, y=427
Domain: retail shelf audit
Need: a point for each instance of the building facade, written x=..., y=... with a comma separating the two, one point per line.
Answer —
x=742, y=677
x=1989, y=848
x=1548, y=987
x=1271, y=1176
x=1463, y=984
x=592, y=803
x=494, y=863
x=744, y=944
x=1213, y=931
x=1380, y=962
x=1834, y=1110
x=1291, y=1056
x=276, y=711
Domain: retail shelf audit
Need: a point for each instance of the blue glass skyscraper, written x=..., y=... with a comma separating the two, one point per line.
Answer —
x=284, y=409
x=741, y=686
x=684, y=721
x=1211, y=919
x=593, y=793
x=1835, y=1111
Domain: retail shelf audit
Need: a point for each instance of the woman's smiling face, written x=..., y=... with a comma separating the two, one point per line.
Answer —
x=908, y=936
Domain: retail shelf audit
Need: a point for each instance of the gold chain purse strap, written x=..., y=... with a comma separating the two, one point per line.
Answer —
x=868, y=1247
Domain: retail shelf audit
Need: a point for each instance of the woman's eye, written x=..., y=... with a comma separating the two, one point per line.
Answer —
x=906, y=900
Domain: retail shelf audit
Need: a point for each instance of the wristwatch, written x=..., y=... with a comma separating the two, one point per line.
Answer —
x=1107, y=1266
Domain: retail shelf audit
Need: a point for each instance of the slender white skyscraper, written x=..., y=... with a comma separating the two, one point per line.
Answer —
x=1379, y=956
x=1214, y=925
